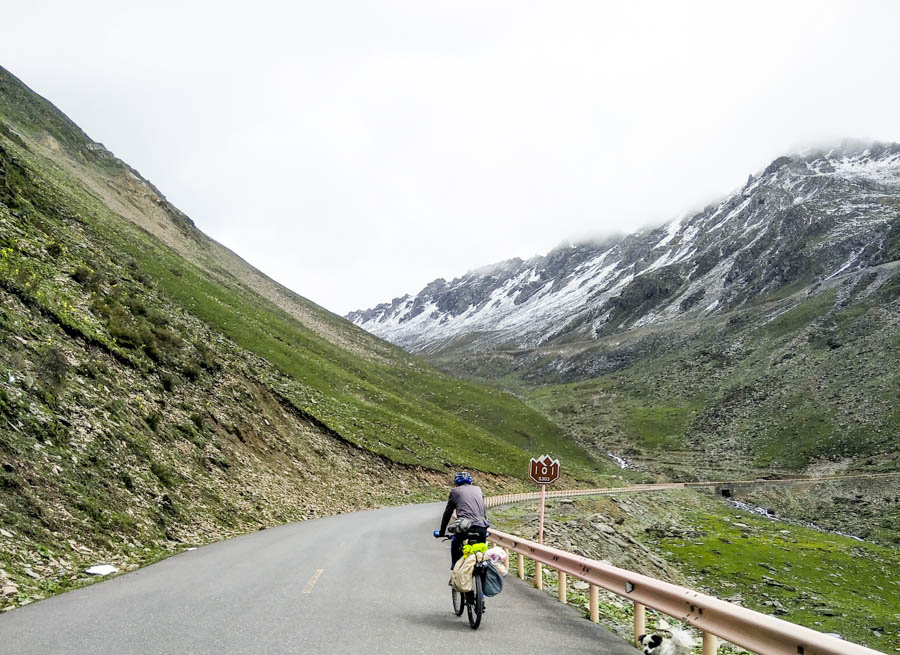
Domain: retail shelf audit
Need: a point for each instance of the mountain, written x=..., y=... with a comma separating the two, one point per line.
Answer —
x=755, y=337
x=157, y=391
x=803, y=219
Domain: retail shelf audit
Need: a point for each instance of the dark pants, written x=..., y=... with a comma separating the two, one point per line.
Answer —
x=475, y=535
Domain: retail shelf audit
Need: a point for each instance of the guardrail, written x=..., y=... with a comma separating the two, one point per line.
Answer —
x=815, y=480
x=505, y=499
x=716, y=618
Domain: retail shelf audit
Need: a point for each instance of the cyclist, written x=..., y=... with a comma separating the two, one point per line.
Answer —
x=468, y=502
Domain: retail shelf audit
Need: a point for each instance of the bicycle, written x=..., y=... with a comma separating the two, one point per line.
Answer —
x=471, y=601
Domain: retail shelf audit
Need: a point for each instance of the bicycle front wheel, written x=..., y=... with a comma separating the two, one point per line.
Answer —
x=458, y=603
x=476, y=607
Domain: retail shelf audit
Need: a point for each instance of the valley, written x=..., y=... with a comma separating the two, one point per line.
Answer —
x=158, y=393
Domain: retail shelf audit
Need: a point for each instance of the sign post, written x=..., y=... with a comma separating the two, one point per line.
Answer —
x=543, y=502
x=544, y=470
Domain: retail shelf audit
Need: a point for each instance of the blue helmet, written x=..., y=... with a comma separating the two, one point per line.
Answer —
x=463, y=477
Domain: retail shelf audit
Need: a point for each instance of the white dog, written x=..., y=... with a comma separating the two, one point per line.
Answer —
x=681, y=643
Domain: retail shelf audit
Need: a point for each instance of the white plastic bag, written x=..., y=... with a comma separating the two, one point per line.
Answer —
x=500, y=558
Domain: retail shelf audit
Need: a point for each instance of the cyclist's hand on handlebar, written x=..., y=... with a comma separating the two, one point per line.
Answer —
x=437, y=534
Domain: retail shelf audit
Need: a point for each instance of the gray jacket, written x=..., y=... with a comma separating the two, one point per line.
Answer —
x=468, y=501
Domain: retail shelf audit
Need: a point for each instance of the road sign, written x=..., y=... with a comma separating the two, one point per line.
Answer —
x=544, y=470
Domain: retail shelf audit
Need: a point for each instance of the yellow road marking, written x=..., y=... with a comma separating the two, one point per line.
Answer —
x=312, y=581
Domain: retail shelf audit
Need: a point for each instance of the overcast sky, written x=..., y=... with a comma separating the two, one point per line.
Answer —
x=356, y=151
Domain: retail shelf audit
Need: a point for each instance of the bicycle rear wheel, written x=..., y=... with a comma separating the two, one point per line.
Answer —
x=458, y=603
x=476, y=606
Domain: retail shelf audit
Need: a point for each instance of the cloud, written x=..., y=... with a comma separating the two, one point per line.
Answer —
x=355, y=151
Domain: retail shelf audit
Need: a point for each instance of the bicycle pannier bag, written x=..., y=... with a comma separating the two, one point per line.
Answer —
x=462, y=573
x=493, y=581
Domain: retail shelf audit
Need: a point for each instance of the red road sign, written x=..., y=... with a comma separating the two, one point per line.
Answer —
x=544, y=470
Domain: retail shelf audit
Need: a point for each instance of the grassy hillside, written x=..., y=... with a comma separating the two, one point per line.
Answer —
x=157, y=391
x=65, y=191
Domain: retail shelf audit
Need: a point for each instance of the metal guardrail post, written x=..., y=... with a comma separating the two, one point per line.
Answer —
x=520, y=561
x=710, y=644
x=538, y=575
x=562, y=585
x=640, y=622
x=594, y=603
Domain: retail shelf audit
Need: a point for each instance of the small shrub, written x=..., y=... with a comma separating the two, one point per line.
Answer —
x=87, y=277
x=54, y=249
x=137, y=442
x=136, y=306
x=157, y=318
x=54, y=366
x=206, y=358
x=163, y=473
x=150, y=346
x=191, y=372
x=90, y=507
x=153, y=420
x=93, y=368
x=168, y=381
x=125, y=334
x=198, y=440
x=166, y=337
x=197, y=420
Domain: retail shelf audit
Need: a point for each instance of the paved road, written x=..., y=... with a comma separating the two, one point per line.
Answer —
x=382, y=588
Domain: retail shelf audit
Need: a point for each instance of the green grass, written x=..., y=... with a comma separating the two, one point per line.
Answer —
x=640, y=416
x=809, y=431
x=800, y=316
x=659, y=426
x=826, y=582
x=787, y=290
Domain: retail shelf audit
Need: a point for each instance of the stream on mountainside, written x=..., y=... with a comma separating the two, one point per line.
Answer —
x=762, y=511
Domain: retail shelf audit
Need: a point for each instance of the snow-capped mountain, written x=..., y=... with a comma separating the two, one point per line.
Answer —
x=803, y=219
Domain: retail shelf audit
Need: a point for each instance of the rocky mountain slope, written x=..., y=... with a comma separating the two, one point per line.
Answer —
x=803, y=219
x=156, y=391
x=758, y=336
